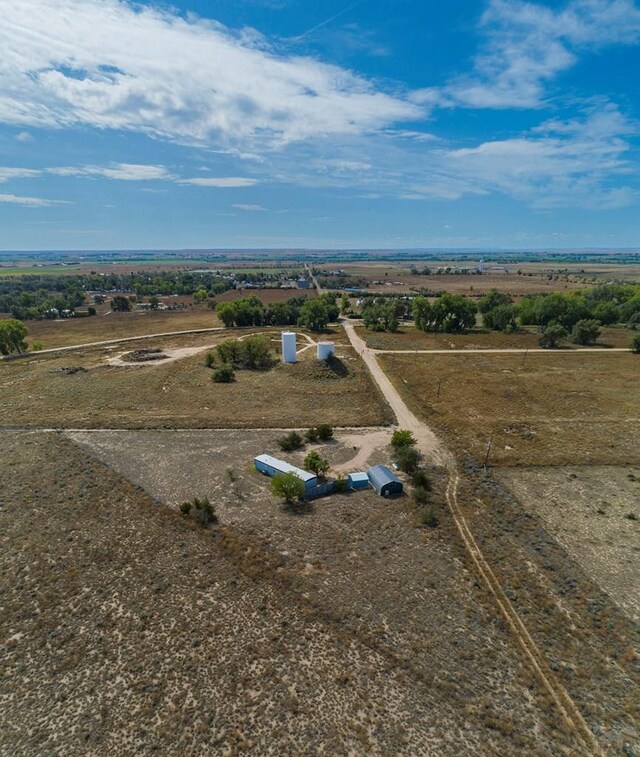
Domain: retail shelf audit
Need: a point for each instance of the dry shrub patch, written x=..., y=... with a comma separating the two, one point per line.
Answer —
x=130, y=631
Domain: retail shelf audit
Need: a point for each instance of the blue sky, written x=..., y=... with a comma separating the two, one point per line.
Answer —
x=286, y=123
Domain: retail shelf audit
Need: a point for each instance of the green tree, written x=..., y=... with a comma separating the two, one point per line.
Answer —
x=408, y=459
x=314, y=315
x=12, y=336
x=345, y=304
x=635, y=344
x=290, y=441
x=500, y=318
x=422, y=313
x=315, y=463
x=403, y=438
x=227, y=313
x=493, y=300
x=200, y=295
x=552, y=335
x=288, y=486
x=585, y=332
x=120, y=303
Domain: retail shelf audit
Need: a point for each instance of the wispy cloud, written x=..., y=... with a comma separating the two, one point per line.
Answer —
x=558, y=164
x=118, y=171
x=31, y=202
x=252, y=208
x=7, y=174
x=220, y=181
x=526, y=45
x=106, y=64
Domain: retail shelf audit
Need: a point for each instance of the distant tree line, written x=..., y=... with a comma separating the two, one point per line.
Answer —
x=313, y=314
x=579, y=313
x=40, y=296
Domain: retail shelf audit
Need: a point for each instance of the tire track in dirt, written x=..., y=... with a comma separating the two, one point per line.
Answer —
x=571, y=715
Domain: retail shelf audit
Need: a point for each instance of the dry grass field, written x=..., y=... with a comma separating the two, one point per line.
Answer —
x=589, y=510
x=557, y=409
x=100, y=328
x=341, y=629
x=35, y=393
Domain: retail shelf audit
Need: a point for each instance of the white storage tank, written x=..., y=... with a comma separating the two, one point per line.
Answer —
x=289, y=347
x=324, y=350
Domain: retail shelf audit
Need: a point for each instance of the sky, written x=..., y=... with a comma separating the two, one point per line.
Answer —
x=298, y=124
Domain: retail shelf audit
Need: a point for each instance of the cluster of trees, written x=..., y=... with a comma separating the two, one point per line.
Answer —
x=408, y=459
x=453, y=313
x=293, y=440
x=384, y=313
x=26, y=303
x=252, y=353
x=608, y=303
x=314, y=313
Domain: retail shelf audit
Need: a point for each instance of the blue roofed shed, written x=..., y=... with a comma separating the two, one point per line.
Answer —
x=271, y=466
x=358, y=481
x=384, y=481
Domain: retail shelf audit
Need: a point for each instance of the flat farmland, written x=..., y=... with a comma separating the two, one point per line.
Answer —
x=410, y=338
x=127, y=631
x=557, y=409
x=594, y=513
x=359, y=560
x=110, y=325
x=34, y=392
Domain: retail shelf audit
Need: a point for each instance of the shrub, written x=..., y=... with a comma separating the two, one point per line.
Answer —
x=325, y=432
x=635, y=344
x=288, y=486
x=427, y=516
x=402, y=438
x=340, y=483
x=201, y=510
x=311, y=435
x=36, y=346
x=408, y=459
x=185, y=508
x=224, y=374
x=210, y=359
x=290, y=442
x=422, y=480
x=252, y=353
x=421, y=496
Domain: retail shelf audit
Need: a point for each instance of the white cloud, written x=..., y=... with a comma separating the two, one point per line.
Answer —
x=119, y=171
x=242, y=206
x=556, y=164
x=32, y=202
x=527, y=45
x=220, y=181
x=24, y=136
x=109, y=64
x=6, y=174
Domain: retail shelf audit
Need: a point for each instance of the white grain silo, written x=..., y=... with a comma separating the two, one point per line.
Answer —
x=324, y=350
x=289, y=347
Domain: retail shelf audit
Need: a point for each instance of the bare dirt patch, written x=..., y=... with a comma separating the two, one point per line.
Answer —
x=587, y=510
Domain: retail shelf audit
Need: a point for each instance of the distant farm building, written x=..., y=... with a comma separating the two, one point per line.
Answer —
x=303, y=284
x=384, y=481
x=358, y=481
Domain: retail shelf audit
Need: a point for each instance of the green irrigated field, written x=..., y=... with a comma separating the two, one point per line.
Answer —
x=34, y=392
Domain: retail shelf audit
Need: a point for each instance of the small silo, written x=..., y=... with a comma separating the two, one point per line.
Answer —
x=289, y=347
x=324, y=350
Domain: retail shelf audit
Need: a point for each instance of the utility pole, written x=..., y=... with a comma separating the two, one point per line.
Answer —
x=524, y=359
x=439, y=385
x=486, y=457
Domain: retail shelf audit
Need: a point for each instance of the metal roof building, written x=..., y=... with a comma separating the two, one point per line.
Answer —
x=358, y=481
x=384, y=481
x=271, y=466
